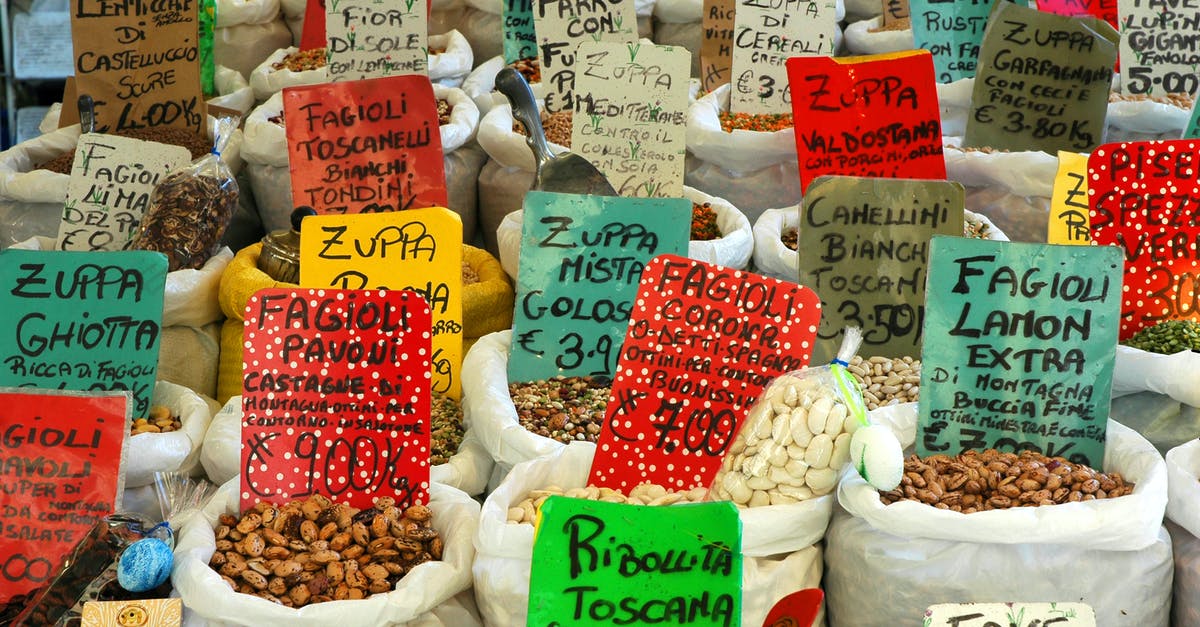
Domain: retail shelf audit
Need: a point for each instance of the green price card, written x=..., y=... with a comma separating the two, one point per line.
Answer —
x=597, y=563
x=1020, y=341
x=581, y=260
x=82, y=320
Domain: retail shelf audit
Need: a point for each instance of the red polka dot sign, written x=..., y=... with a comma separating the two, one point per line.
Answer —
x=703, y=342
x=335, y=396
x=1145, y=198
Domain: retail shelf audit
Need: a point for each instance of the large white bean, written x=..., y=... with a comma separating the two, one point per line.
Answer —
x=821, y=480
x=818, y=414
x=819, y=451
x=762, y=429
x=756, y=466
x=761, y=483
x=797, y=492
x=837, y=419
x=778, y=498
x=841, y=451
x=797, y=467
x=795, y=451
x=735, y=484
x=781, y=430
x=850, y=424
x=778, y=475
x=759, y=498
x=779, y=456
x=790, y=394
x=802, y=438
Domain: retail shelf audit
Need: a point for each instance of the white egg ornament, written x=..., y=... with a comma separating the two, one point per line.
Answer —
x=876, y=455
x=144, y=565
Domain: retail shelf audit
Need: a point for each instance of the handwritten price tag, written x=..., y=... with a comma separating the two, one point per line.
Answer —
x=365, y=146
x=766, y=34
x=1145, y=199
x=864, y=247
x=520, y=40
x=335, y=396
x=370, y=39
x=703, y=342
x=635, y=103
x=1069, y=202
x=112, y=178
x=1020, y=341
x=635, y=564
x=1158, y=53
x=716, y=43
x=313, y=34
x=1061, y=106
x=82, y=321
x=564, y=24
x=139, y=63
x=951, y=32
x=581, y=260
x=62, y=452
x=874, y=116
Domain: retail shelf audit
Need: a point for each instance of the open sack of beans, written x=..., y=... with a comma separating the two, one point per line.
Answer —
x=720, y=234
x=189, y=344
x=886, y=563
x=456, y=460
x=450, y=60
x=381, y=566
x=870, y=36
x=777, y=233
x=1141, y=118
x=1183, y=521
x=779, y=543
x=170, y=437
x=266, y=154
x=754, y=168
x=1011, y=188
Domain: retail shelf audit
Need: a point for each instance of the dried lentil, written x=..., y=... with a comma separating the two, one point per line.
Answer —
x=887, y=381
x=525, y=512
x=761, y=123
x=978, y=481
x=566, y=409
x=445, y=429
x=302, y=60
x=1167, y=337
x=704, y=222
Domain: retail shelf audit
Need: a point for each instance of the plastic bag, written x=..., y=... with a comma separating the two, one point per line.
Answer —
x=796, y=437
x=190, y=208
x=239, y=282
x=1012, y=189
x=455, y=516
x=244, y=46
x=779, y=544
x=865, y=37
x=1183, y=521
x=266, y=154
x=732, y=250
x=911, y=555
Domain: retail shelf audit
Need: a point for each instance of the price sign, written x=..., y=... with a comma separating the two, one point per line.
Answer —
x=581, y=260
x=418, y=250
x=365, y=146
x=872, y=116
x=1144, y=199
x=335, y=396
x=798, y=609
x=140, y=64
x=951, y=30
x=1016, y=614
x=371, y=39
x=1043, y=82
x=313, y=33
x=62, y=454
x=766, y=35
x=1069, y=202
x=520, y=39
x=864, y=248
x=716, y=43
x=895, y=11
x=82, y=321
x=564, y=24
x=112, y=178
x=1103, y=9
x=598, y=563
x=636, y=101
x=1159, y=50
x=703, y=342
x=1020, y=341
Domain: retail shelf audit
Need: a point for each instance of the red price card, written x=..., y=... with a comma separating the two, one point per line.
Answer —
x=1103, y=9
x=874, y=115
x=336, y=396
x=313, y=33
x=60, y=458
x=1144, y=197
x=703, y=342
x=365, y=146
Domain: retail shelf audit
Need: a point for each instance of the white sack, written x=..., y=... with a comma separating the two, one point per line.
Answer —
x=1142, y=120
x=1012, y=189
x=864, y=37
x=1174, y=375
x=243, y=46
x=176, y=451
x=233, y=12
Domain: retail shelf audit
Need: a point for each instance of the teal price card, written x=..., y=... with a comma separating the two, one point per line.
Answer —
x=1020, y=341
x=581, y=260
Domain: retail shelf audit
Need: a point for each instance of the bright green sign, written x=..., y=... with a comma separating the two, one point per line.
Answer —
x=581, y=260
x=82, y=320
x=1020, y=341
x=597, y=563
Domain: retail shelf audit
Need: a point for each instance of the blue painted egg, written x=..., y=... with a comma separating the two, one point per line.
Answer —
x=145, y=565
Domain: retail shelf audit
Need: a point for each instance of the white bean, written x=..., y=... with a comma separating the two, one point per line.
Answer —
x=778, y=498
x=841, y=451
x=818, y=414
x=837, y=419
x=759, y=499
x=761, y=483
x=781, y=430
x=795, y=451
x=799, y=493
x=778, y=456
x=735, y=484
x=850, y=424
x=819, y=451
x=821, y=480
x=797, y=467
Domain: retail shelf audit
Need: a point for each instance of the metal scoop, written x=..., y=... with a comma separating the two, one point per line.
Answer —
x=566, y=173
